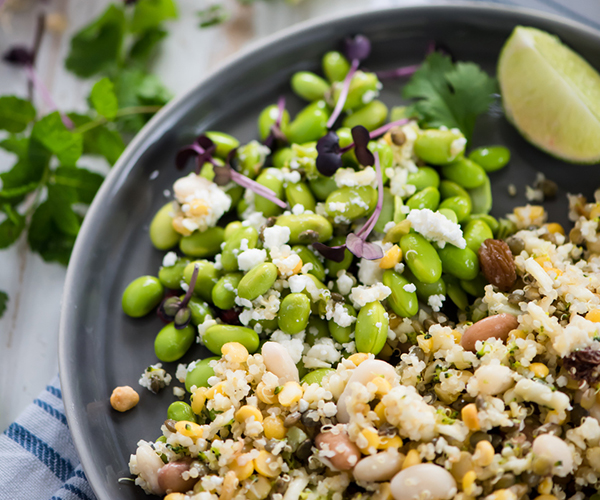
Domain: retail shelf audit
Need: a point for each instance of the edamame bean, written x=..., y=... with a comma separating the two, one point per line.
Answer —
x=268, y=117
x=448, y=189
x=481, y=197
x=439, y=147
x=171, y=276
x=282, y=157
x=335, y=267
x=387, y=210
x=308, y=257
x=224, y=292
x=207, y=277
x=455, y=292
x=270, y=178
x=180, y=410
x=203, y=244
x=317, y=328
x=371, y=328
x=351, y=203
x=318, y=303
x=231, y=228
x=162, y=234
x=474, y=287
x=421, y=258
x=449, y=214
x=386, y=155
x=257, y=281
x=490, y=158
x=335, y=66
x=316, y=376
x=300, y=224
x=141, y=296
x=233, y=243
x=462, y=263
x=218, y=335
x=294, y=312
x=235, y=192
x=460, y=205
x=465, y=173
x=300, y=194
x=488, y=219
x=340, y=333
x=395, y=234
x=322, y=186
x=200, y=310
x=363, y=88
x=426, y=290
x=425, y=177
x=426, y=198
x=171, y=344
x=371, y=116
x=224, y=143
x=475, y=233
x=309, y=125
x=402, y=301
x=251, y=158
x=199, y=375
x=309, y=86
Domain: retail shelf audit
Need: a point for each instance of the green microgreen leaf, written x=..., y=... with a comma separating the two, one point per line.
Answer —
x=15, y=113
x=11, y=227
x=99, y=140
x=213, y=15
x=3, y=302
x=46, y=238
x=84, y=182
x=150, y=13
x=145, y=45
x=103, y=98
x=51, y=132
x=16, y=145
x=60, y=202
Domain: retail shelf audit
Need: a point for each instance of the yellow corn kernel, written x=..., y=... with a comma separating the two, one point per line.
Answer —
x=502, y=495
x=468, y=482
x=383, y=386
x=545, y=487
x=470, y=417
x=230, y=483
x=594, y=212
x=412, y=458
x=545, y=497
x=298, y=267
x=540, y=370
x=384, y=493
x=179, y=227
x=457, y=336
x=373, y=440
x=215, y=389
x=246, y=412
x=554, y=227
x=358, y=358
x=425, y=343
x=189, y=429
x=273, y=427
x=290, y=394
x=265, y=395
x=390, y=442
x=243, y=466
x=593, y=315
x=553, y=417
x=484, y=453
x=380, y=411
x=392, y=257
x=266, y=464
x=198, y=400
x=175, y=496
x=557, y=272
x=235, y=352
x=542, y=260
x=198, y=207
x=516, y=334
x=530, y=212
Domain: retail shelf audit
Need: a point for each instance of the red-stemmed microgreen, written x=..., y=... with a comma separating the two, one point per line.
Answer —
x=202, y=149
x=398, y=72
x=276, y=134
x=177, y=310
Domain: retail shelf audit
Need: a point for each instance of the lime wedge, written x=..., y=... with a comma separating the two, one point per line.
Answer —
x=551, y=95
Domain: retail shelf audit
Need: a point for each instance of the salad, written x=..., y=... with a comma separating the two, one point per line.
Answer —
x=375, y=332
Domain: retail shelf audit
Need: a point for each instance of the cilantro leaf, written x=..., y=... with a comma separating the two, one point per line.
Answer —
x=97, y=46
x=84, y=182
x=46, y=238
x=51, y=132
x=27, y=173
x=15, y=113
x=145, y=45
x=3, y=302
x=100, y=140
x=450, y=94
x=103, y=98
x=16, y=145
x=11, y=227
x=150, y=13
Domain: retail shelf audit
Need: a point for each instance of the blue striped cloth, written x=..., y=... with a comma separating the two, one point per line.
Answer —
x=37, y=458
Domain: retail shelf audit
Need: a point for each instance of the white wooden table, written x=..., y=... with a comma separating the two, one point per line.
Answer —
x=29, y=328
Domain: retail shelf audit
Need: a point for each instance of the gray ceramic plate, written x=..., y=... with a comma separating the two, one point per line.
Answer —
x=101, y=348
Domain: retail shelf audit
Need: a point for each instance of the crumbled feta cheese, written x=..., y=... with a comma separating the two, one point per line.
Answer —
x=457, y=146
x=390, y=225
x=362, y=295
x=254, y=219
x=369, y=272
x=291, y=176
x=276, y=236
x=287, y=262
x=322, y=354
x=436, y=301
x=352, y=178
x=344, y=282
x=337, y=312
x=298, y=209
x=178, y=392
x=169, y=259
x=435, y=227
x=250, y=258
x=182, y=370
x=294, y=344
x=410, y=288
x=399, y=185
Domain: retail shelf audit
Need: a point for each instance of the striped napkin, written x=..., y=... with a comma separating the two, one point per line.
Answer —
x=37, y=458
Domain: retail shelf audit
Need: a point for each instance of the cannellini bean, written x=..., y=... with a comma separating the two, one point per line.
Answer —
x=278, y=361
x=344, y=454
x=170, y=480
x=380, y=467
x=556, y=451
x=149, y=463
x=423, y=481
x=364, y=373
x=496, y=327
x=492, y=379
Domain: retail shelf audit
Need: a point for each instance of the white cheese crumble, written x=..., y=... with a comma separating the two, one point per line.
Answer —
x=435, y=227
x=352, y=178
x=362, y=295
x=322, y=354
x=436, y=301
x=276, y=236
x=344, y=282
x=287, y=262
x=251, y=258
x=337, y=312
x=169, y=259
x=399, y=185
x=410, y=288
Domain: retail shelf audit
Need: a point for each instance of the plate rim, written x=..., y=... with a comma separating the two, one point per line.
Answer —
x=69, y=298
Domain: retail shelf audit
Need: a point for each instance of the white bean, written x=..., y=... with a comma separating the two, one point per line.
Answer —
x=423, y=481
x=149, y=463
x=278, y=361
x=363, y=374
x=380, y=467
x=493, y=379
x=556, y=451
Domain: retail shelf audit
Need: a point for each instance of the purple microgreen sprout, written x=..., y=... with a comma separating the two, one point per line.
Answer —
x=202, y=148
x=398, y=72
x=276, y=132
x=177, y=310
x=361, y=138
x=356, y=49
x=357, y=243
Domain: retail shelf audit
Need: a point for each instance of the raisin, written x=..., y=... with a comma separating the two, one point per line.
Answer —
x=497, y=264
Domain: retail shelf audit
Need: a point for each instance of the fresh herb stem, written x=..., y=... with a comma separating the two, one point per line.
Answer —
x=101, y=120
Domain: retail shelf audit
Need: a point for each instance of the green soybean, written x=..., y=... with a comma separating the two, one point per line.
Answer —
x=257, y=281
x=505, y=229
x=475, y=233
x=462, y=263
x=322, y=186
x=345, y=138
x=362, y=86
x=300, y=194
x=488, y=219
x=282, y=157
x=474, y=287
x=268, y=117
x=387, y=210
x=171, y=344
x=339, y=333
x=224, y=292
x=224, y=143
x=395, y=234
x=231, y=228
x=455, y=292
x=370, y=116
x=460, y=205
x=465, y=173
x=141, y=296
x=203, y=244
x=404, y=303
x=308, y=257
x=235, y=192
x=335, y=66
x=371, y=328
x=481, y=197
x=270, y=178
x=233, y=243
x=162, y=234
x=317, y=328
x=181, y=411
x=310, y=124
x=207, y=277
x=171, y=276
x=425, y=177
x=216, y=336
x=448, y=189
x=421, y=258
x=309, y=86
x=294, y=312
x=251, y=158
x=491, y=158
x=351, y=203
x=316, y=376
x=333, y=267
x=426, y=290
x=199, y=375
x=439, y=147
x=449, y=214
x=386, y=155
x=300, y=224
x=426, y=198
x=200, y=310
